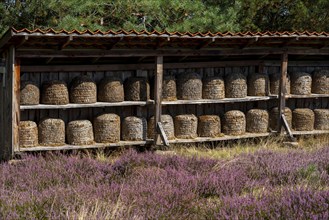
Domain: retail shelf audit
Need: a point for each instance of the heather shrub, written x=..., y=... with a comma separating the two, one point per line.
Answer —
x=264, y=184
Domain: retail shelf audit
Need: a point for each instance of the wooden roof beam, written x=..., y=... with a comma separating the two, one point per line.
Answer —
x=286, y=43
x=24, y=39
x=67, y=42
x=118, y=40
x=250, y=42
x=206, y=43
x=161, y=42
x=324, y=45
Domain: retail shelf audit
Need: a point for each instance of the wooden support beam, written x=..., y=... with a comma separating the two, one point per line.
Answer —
x=165, y=52
x=206, y=43
x=282, y=88
x=67, y=42
x=118, y=40
x=162, y=134
x=287, y=128
x=95, y=59
x=49, y=60
x=161, y=42
x=286, y=43
x=16, y=102
x=24, y=39
x=182, y=59
x=251, y=42
x=158, y=97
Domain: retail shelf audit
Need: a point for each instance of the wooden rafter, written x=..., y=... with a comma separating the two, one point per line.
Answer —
x=67, y=42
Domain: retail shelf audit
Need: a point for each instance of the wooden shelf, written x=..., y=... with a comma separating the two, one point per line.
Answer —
x=225, y=100
x=223, y=138
x=314, y=132
x=79, y=147
x=293, y=96
x=93, y=105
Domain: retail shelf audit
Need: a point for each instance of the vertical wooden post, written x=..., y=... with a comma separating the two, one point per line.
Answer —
x=16, y=102
x=158, y=97
x=282, y=94
x=10, y=107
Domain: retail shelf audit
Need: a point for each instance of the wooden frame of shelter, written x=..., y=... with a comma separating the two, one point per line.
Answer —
x=49, y=51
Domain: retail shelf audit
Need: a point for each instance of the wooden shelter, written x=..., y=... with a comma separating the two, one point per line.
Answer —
x=42, y=55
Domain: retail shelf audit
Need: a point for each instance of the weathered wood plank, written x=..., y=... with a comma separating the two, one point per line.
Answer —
x=314, y=132
x=16, y=102
x=93, y=105
x=282, y=94
x=158, y=97
x=75, y=147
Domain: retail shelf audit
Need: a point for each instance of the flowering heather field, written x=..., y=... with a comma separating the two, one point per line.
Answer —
x=261, y=185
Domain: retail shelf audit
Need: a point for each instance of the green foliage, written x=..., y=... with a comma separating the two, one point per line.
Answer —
x=173, y=15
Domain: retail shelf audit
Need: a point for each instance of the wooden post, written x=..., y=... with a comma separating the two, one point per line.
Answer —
x=282, y=94
x=10, y=107
x=158, y=97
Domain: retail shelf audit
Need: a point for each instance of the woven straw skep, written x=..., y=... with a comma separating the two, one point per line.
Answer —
x=167, y=124
x=137, y=89
x=54, y=93
x=235, y=85
x=186, y=126
x=107, y=128
x=301, y=83
x=257, y=85
x=257, y=121
x=320, y=84
x=275, y=84
x=80, y=132
x=275, y=115
x=303, y=119
x=189, y=87
x=134, y=129
x=213, y=88
x=234, y=123
x=321, y=119
x=83, y=90
x=209, y=126
x=169, y=92
x=51, y=132
x=110, y=89
x=28, y=134
x=29, y=93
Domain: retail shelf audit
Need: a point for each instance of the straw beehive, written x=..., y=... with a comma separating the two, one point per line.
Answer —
x=320, y=83
x=213, y=88
x=301, y=83
x=275, y=115
x=110, y=90
x=29, y=93
x=169, y=92
x=235, y=85
x=234, y=123
x=51, y=132
x=80, y=132
x=107, y=128
x=186, y=126
x=134, y=129
x=137, y=89
x=189, y=87
x=321, y=119
x=257, y=85
x=28, y=134
x=209, y=126
x=54, y=93
x=167, y=124
x=275, y=84
x=83, y=90
x=303, y=119
x=257, y=121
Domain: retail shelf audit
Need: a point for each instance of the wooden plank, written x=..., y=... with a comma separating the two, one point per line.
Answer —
x=158, y=97
x=286, y=126
x=16, y=102
x=282, y=88
x=141, y=66
x=93, y=105
x=292, y=96
x=165, y=52
x=214, y=101
x=162, y=134
x=76, y=147
x=223, y=138
x=314, y=132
